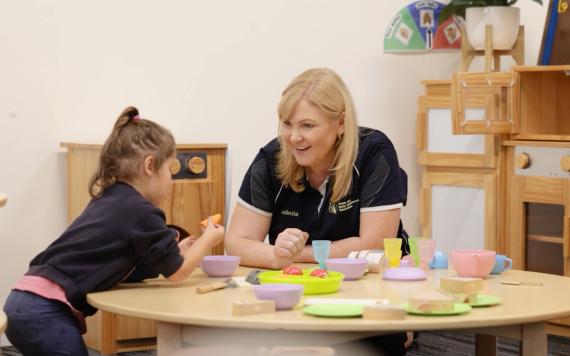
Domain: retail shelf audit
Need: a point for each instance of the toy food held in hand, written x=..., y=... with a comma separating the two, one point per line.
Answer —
x=293, y=270
x=216, y=219
x=321, y=273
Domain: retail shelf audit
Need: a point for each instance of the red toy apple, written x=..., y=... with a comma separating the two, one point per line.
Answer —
x=293, y=270
x=321, y=273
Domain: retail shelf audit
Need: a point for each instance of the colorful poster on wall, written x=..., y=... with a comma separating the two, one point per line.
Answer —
x=416, y=27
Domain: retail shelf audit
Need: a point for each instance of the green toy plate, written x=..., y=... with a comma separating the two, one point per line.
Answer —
x=335, y=310
x=458, y=308
x=313, y=285
x=484, y=300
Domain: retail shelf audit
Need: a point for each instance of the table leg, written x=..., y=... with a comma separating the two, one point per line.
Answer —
x=534, y=339
x=485, y=345
x=168, y=338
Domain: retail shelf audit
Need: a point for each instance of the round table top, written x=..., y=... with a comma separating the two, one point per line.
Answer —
x=161, y=300
x=3, y=321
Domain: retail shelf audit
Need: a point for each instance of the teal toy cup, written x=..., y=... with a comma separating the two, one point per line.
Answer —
x=321, y=250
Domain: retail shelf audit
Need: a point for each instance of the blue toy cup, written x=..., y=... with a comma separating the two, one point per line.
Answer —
x=502, y=263
x=439, y=261
x=321, y=250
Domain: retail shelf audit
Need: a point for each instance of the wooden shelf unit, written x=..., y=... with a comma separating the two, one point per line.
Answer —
x=525, y=112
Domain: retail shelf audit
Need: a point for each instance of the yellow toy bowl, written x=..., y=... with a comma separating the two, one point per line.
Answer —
x=313, y=285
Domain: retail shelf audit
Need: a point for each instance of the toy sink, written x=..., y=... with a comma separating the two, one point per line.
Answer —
x=313, y=285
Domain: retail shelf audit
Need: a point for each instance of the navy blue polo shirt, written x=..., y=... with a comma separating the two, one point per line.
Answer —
x=378, y=183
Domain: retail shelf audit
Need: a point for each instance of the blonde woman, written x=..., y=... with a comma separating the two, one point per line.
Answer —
x=322, y=178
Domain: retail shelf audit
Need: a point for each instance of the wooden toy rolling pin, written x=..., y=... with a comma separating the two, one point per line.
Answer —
x=205, y=288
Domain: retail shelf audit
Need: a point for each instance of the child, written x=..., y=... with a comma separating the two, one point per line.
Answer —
x=121, y=228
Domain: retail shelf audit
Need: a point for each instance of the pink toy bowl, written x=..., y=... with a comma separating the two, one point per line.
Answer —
x=352, y=268
x=286, y=296
x=473, y=263
x=219, y=265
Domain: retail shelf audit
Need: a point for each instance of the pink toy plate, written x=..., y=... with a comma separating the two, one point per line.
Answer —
x=405, y=274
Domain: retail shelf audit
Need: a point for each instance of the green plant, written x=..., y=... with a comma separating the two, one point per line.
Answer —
x=457, y=7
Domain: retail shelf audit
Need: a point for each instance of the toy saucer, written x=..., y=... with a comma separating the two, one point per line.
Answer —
x=458, y=308
x=484, y=300
x=404, y=274
x=335, y=310
x=313, y=285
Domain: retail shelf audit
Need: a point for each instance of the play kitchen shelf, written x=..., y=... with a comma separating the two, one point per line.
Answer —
x=528, y=103
x=198, y=191
x=506, y=147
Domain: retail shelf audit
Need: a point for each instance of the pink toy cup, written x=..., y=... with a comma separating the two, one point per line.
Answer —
x=473, y=263
x=426, y=249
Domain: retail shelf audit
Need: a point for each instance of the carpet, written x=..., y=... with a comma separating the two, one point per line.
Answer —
x=428, y=344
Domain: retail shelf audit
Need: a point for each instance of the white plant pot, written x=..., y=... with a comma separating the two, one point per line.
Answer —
x=504, y=19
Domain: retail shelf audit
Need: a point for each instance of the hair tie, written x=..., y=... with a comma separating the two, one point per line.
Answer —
x=136, y=118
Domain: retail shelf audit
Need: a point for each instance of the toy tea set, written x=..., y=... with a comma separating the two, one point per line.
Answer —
x=283, y=289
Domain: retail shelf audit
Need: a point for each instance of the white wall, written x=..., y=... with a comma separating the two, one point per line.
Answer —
x=211, y=71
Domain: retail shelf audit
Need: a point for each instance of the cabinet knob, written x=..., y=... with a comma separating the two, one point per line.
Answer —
x=3, y=200
x=175, y=167
x=196, y=165
x=565, y=163
x=523, y=160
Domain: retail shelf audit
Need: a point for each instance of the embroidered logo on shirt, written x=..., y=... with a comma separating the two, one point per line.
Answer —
x=289, y=213
x=341, y=206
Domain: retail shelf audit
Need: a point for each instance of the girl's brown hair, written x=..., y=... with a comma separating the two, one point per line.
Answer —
x=324, y=89
x=131, y=140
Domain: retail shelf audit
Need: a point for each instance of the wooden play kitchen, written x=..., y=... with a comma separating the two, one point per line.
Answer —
x=199, y=191
x=495, y=154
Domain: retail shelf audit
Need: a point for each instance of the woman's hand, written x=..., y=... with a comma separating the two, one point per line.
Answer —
x=288, y=245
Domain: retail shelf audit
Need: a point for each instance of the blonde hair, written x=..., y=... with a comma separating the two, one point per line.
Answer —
x=324, y=89
x=131, y=140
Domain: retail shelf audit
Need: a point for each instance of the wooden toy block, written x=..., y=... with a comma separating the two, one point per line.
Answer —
x=253, y=307
x=464, y=297
x=461, y=284
x=471, y=298
x=384, y=312
x=431, y=301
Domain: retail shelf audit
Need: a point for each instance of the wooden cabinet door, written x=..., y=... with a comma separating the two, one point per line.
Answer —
x=459, y=209
x=438, y=146
x=485, y=103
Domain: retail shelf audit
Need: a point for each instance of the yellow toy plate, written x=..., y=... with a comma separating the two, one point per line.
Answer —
x=313, y=285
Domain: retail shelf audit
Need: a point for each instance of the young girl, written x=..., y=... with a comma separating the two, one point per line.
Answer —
x=121, y=228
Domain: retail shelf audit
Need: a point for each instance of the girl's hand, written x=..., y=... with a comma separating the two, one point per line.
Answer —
x=186, y=243
x=213, y=232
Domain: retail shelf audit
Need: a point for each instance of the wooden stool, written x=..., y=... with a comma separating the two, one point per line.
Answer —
x=492, y=56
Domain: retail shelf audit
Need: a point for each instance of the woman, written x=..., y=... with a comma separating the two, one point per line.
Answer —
x=323, y=178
